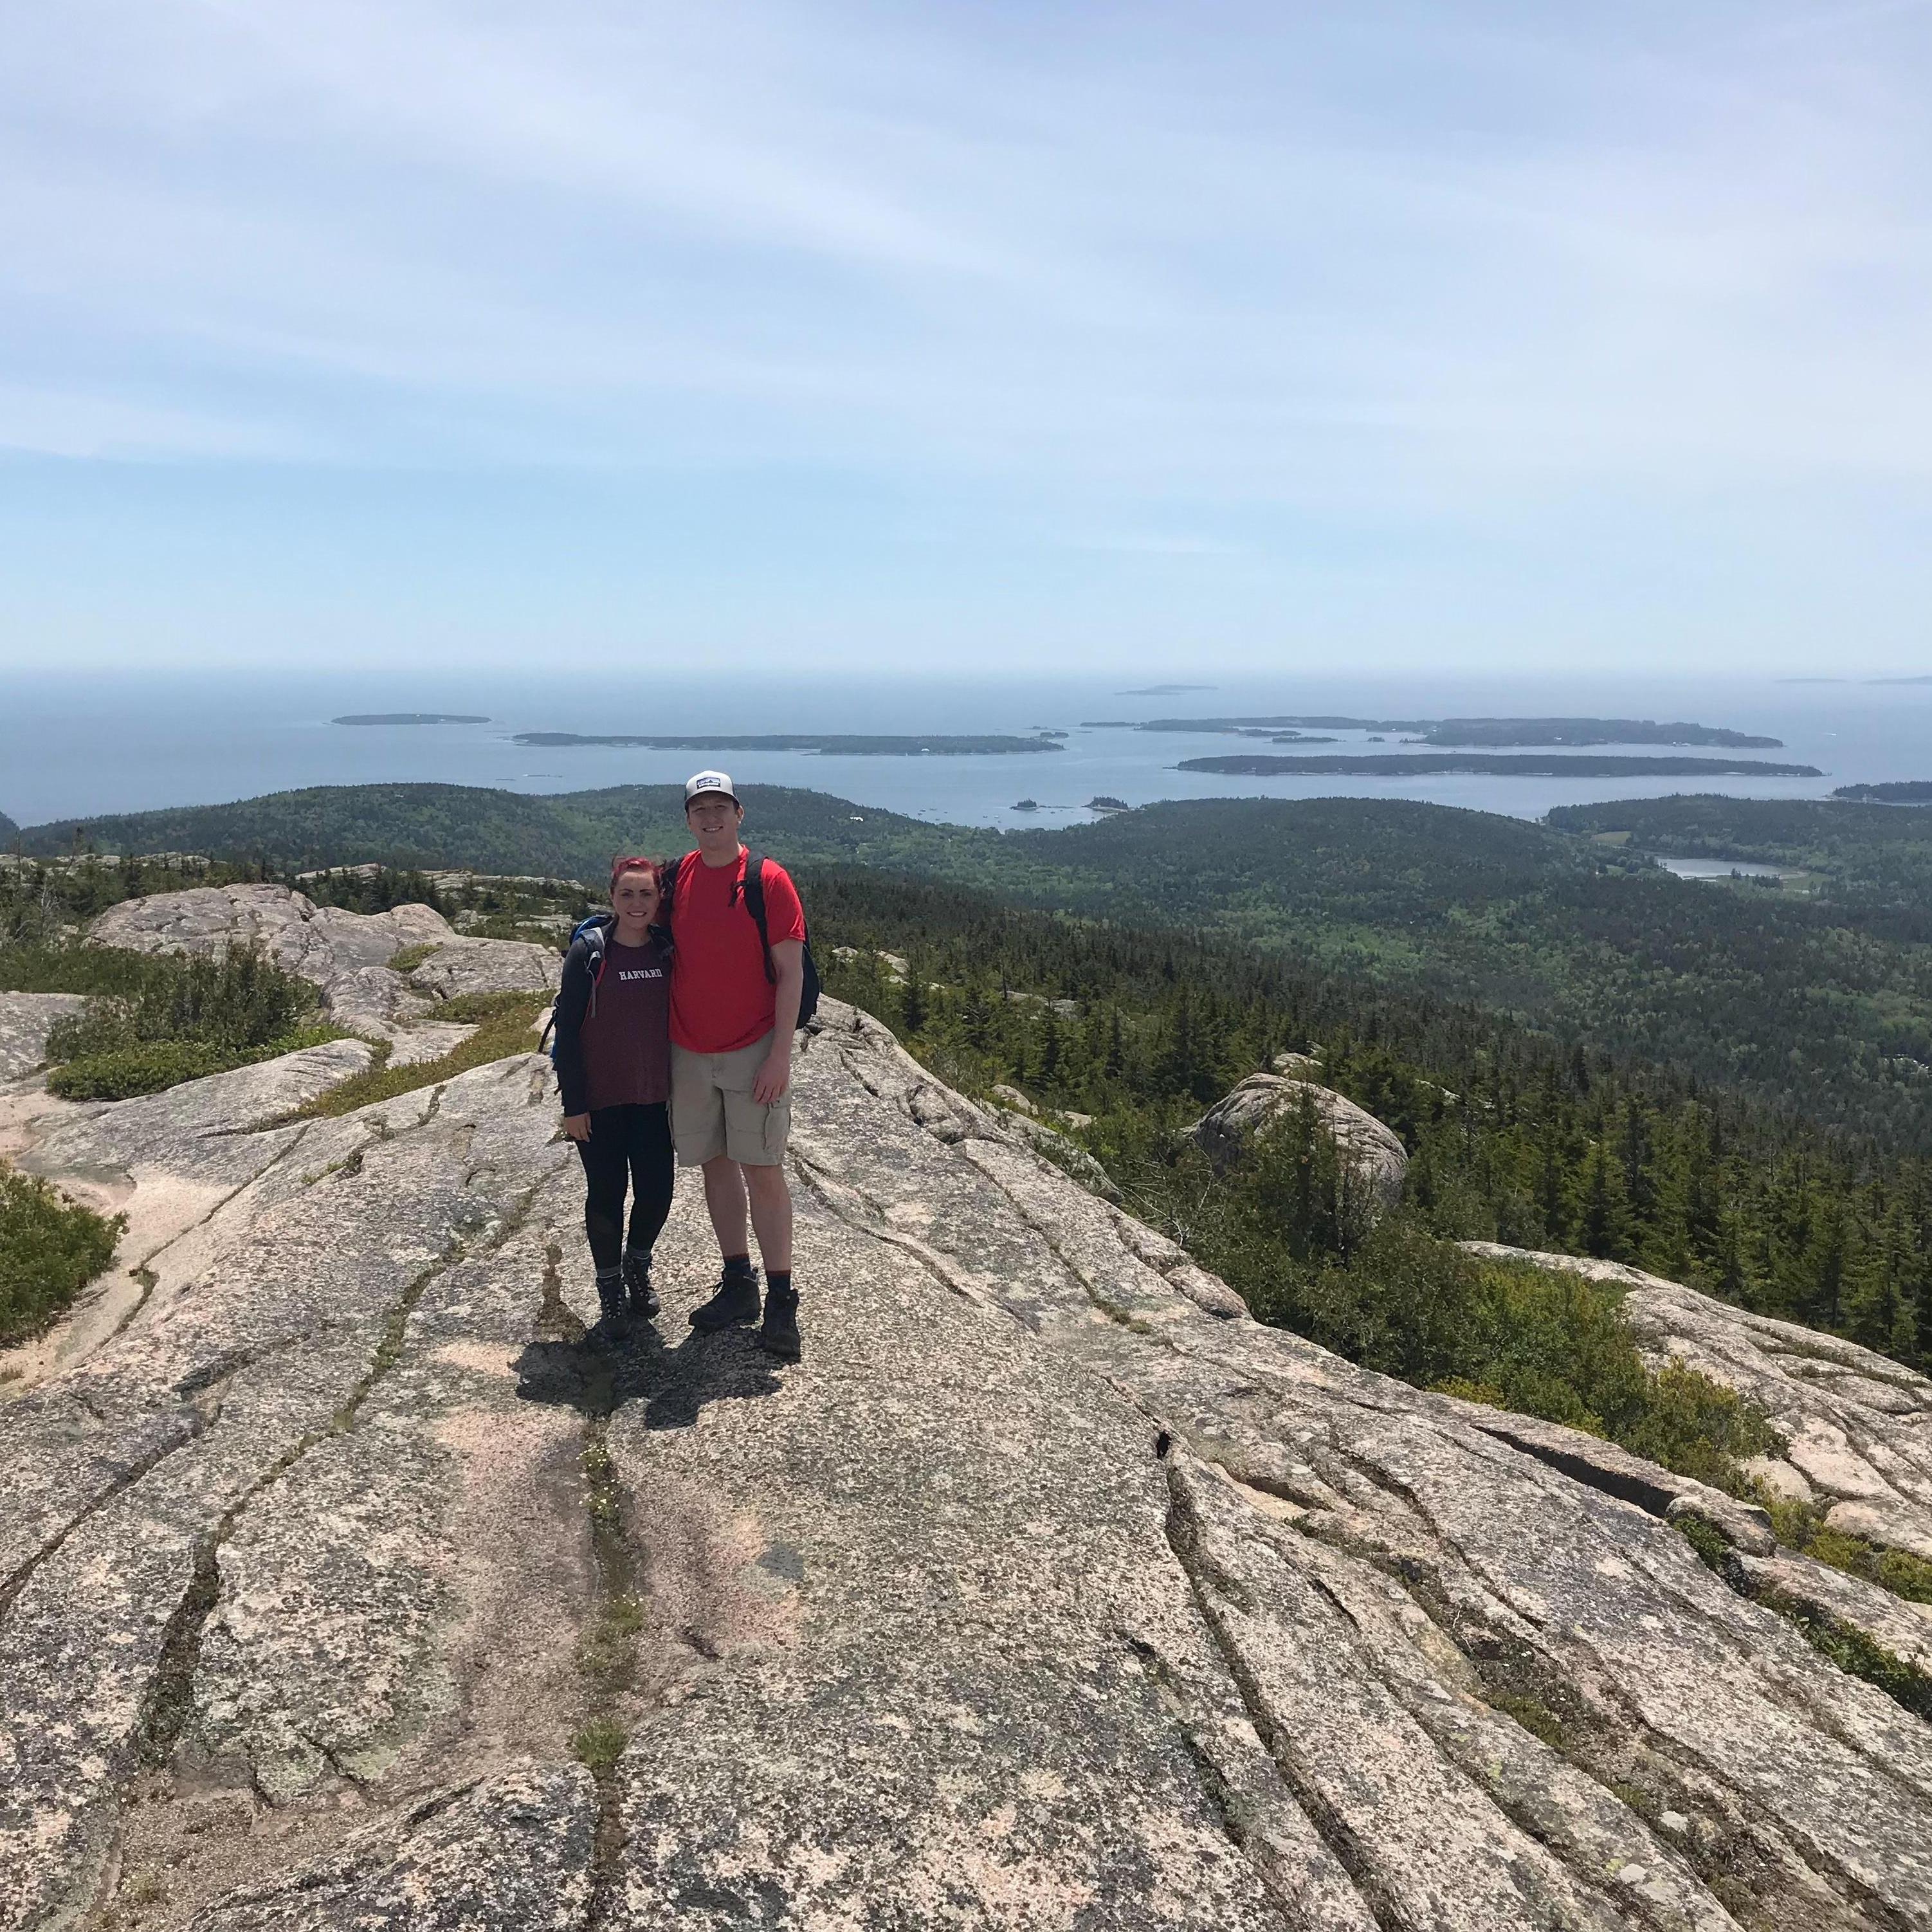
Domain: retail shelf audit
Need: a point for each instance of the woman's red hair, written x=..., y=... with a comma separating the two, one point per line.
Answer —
x=618, y=867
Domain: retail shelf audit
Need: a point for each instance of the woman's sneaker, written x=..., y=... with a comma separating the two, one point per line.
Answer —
x=644, y=1302
x=736, y=1301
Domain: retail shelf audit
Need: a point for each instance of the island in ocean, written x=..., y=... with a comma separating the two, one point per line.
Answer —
x=408, y=718
x=832, y=745
x=1416, y=764
x=1896, y=791
x=1476, y=731
x=1163, y=690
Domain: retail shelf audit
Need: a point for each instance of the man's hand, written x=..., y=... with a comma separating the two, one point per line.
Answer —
x=578, y=1125
x=774, y=1076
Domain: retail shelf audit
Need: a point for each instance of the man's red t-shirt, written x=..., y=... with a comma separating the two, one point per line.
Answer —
x=720, y=998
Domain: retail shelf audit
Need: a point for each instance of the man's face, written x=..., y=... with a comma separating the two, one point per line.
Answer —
x=712, y=816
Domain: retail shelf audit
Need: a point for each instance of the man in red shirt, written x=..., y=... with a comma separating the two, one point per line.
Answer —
x=731, y=1028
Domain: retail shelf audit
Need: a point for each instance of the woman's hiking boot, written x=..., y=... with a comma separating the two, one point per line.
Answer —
x=644, y=1302
x=779, y=1336
x=613, y=1318
x=737, y=1301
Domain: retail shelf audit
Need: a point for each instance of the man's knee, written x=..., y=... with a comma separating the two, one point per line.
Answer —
x=767, y=1184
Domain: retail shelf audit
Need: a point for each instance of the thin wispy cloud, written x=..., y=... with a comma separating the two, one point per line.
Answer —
x=1450, y=273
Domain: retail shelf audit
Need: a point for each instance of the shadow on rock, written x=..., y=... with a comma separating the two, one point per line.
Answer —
x=597, y=1378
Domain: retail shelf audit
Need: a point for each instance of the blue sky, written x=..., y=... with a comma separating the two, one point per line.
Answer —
x=956, y=336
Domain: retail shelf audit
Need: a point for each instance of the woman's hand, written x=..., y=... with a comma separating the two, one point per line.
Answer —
x=578, y=1125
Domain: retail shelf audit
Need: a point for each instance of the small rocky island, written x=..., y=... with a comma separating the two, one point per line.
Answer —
x=831, y=745
x=1401, y=764
x=409, y=718
x=1495, y=732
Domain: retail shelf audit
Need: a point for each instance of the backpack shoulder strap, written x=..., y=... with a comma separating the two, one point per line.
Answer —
x=673, y=871
x=754, y=903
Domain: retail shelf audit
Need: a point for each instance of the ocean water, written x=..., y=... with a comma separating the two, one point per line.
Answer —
x=70, y=746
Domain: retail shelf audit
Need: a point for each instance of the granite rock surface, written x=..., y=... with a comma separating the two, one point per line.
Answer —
x=346, y=954
x=348, y=1583
x=25, y=1021
x=1859, y=1424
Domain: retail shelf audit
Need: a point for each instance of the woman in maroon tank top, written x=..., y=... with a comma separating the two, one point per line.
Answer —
x=613, y=1067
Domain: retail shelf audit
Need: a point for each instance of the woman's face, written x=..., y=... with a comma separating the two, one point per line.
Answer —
x=634, y=898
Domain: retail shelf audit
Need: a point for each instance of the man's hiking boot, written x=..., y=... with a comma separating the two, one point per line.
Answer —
x=779, y=1336
x=736, y=1302
x=644, y=1302
x=613, y=1318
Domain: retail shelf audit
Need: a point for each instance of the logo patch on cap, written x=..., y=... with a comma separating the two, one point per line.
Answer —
x=701, y=782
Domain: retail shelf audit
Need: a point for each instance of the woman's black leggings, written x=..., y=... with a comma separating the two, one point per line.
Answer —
x=632, y=1141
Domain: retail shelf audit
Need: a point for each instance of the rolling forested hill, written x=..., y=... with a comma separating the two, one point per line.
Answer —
x=1872, y=862
x=1820, y=1004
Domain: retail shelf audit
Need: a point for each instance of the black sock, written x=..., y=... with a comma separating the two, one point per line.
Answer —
x=738, y=1263
x=605, y=1274
x=778, y=1281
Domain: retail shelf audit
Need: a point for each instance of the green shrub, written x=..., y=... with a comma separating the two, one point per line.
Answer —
x=505, y=1025
x=157, y=1021
x=50, y=1249
x=67, y=968
x=1285, y=1229
x=241, y=1000
x=125, y=1072
x=1802, y=1527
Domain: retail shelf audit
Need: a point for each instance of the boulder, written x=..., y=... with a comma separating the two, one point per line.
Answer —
x=343, y=1584
x=1375, y=1151
x=346, y=954
x=319, y=944
x=25, y=1021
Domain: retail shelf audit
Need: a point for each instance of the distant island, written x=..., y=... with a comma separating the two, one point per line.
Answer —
x=1899, y=680
x=1250, y=724
x=832, y=746
x=1898, y=791
x=1026, y=804
x=1102, y=802
x=1163, y=690
x=408, y=718
x=1478, y=731
x=1400, y=764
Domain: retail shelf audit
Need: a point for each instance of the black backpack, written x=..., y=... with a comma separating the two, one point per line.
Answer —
x=594, y=931
x=754, y=903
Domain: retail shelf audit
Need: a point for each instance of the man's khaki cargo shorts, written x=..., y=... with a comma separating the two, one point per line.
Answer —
x=713, y=1112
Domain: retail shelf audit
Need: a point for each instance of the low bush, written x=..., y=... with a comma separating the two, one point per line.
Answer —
x=125, y=1072
x=240, y=1000
x=505, y=1024
x=1288, y=1227
x=1802, y=1527
x=67, y=968
x=158, y=1020
x=50, y=1249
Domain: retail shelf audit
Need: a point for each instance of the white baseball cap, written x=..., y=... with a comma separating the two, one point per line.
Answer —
x=701, y=782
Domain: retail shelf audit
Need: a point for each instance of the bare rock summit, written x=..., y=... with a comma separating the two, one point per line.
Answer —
x=342, y=1585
